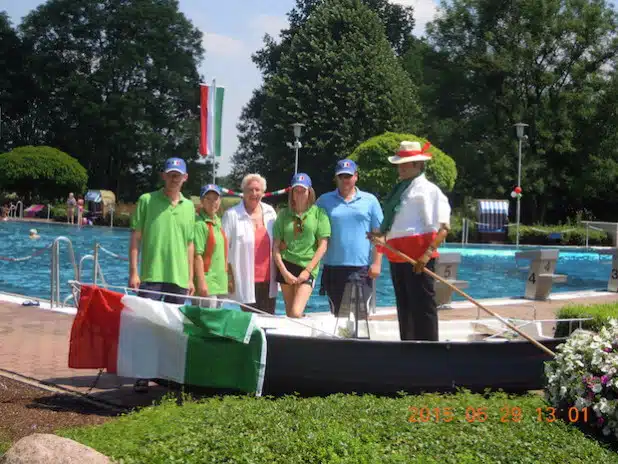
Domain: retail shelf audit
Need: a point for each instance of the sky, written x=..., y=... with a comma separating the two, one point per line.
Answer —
x=233, y=30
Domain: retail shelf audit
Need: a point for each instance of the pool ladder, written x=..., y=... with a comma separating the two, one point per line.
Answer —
x=55, y=300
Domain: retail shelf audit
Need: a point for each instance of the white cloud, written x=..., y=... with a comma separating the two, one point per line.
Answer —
x=268, y=24
x=424, y=12
x=222, y=45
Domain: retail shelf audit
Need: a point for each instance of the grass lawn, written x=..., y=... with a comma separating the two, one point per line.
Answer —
x=345, y=429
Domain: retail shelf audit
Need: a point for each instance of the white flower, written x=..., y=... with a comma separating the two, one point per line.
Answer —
x=596, y=388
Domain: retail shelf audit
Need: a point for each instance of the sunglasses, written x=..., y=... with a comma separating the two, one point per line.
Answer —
x=298, y=226
x=345, y=176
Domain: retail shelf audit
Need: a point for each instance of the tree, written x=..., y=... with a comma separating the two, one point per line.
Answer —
x=341, y=77
x=41, y=173
x=119, y=83
x=378, y=176
x=397, y=20
x=542, y=63
x=17, y=90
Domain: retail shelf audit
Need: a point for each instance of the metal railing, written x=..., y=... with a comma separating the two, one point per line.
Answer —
x=54, y=299
x=13, y=210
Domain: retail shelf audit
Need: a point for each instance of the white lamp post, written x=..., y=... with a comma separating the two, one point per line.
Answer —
x=520, y=136
x=296, y=145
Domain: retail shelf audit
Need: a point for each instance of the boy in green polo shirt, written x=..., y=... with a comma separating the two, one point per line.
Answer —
x=162, y=228
x=211, y=267
x=301, y=234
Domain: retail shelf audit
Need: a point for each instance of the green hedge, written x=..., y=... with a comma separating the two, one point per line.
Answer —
x=535, y=235
x=600, y=314
x=343, y=429
x=574, y=235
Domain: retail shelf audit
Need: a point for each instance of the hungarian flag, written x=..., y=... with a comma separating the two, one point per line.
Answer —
x=211, y=118
x=141, y=338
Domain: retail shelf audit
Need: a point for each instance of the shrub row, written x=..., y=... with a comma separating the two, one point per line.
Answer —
x=537, y=235
x=599, y=314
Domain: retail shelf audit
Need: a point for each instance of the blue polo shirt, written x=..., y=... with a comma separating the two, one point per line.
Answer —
x=350, y=221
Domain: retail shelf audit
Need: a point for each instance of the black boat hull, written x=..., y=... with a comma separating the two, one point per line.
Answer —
x=318, y=366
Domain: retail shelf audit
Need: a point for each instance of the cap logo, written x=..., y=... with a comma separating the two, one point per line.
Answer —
x=175, y=162
x=301, y=178
x=346, y=164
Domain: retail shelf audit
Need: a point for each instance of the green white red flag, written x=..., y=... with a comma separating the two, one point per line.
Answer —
x=211, y=118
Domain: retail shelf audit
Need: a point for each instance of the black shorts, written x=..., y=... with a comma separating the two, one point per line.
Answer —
x=295, y=270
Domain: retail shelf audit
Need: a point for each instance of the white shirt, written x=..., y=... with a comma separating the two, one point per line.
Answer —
x=238, y=227
x=422, y=209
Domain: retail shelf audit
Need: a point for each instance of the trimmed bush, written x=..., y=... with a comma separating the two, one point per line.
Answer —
x=378, y=176
x=41, y=173
x=344, y=429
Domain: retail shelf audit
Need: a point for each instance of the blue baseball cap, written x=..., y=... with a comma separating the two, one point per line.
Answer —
x=345, y=166
x=210, y=188
x=301, y=179
x=176, y=164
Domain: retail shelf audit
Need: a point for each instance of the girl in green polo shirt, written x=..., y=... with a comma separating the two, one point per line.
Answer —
x=301, y=234
x=211, y=267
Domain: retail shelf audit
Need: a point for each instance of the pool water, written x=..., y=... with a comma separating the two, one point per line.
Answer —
x=491, y=271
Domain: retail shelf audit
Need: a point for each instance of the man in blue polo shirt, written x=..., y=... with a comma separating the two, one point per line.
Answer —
x=349, y=256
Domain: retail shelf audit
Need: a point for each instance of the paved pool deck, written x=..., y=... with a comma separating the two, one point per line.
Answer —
x=34, y=342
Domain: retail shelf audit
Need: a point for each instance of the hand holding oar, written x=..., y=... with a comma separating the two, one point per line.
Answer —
x=379, y=240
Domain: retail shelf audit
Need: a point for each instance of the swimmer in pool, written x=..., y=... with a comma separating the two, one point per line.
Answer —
x=34, y=234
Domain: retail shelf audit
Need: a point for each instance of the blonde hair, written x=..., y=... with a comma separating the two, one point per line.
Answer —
x=250, y=178
x=309, y=203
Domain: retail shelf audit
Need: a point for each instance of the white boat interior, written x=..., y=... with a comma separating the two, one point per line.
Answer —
x=459, y=330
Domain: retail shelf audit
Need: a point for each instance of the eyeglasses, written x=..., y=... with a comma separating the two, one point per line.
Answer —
x=298, y=226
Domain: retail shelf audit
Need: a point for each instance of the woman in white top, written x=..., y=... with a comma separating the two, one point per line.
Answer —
x=249, y=229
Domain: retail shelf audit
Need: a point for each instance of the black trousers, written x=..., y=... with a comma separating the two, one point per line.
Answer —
x=335, y=278
x=416, y=306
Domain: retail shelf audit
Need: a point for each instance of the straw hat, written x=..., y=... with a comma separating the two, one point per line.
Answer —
x=409, y=152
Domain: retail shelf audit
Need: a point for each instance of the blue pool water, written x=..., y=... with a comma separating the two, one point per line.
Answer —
x=490, y=270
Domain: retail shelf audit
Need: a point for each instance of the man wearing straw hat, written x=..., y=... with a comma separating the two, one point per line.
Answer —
x=416, y=221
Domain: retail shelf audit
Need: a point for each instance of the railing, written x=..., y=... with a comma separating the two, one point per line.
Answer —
x=13, y=210
x=55, y=269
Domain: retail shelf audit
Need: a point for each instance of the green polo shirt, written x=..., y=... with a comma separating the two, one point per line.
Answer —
x=166, y=231
x=302, y=245
x=216, y=277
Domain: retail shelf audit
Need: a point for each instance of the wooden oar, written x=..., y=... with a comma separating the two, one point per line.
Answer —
x=468, y=297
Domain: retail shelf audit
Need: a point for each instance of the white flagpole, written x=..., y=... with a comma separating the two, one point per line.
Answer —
x=214, y=155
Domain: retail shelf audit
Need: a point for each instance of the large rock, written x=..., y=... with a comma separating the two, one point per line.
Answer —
x=44, y=448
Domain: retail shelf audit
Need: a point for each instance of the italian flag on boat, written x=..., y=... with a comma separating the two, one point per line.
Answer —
x=141, y=338
x=211, y=118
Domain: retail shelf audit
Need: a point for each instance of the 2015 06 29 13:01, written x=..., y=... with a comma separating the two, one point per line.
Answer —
x=506, y=414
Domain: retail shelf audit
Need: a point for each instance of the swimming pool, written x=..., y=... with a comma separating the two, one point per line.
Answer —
x=491, y=271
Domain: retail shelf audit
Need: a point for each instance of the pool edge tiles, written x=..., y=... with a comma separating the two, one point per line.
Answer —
x=45, y=305
x=380, y=310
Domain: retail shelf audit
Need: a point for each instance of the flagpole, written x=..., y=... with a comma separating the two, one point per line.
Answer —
x=214, y=155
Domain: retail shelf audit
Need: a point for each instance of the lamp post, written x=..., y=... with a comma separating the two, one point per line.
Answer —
x=296, y=145
x=520, y=136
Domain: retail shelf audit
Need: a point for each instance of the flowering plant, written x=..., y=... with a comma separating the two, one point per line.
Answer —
x=584, y=374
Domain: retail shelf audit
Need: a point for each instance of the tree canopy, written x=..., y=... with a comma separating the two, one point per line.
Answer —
x=490, y=64
x=115, y=83
x=341, y=78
